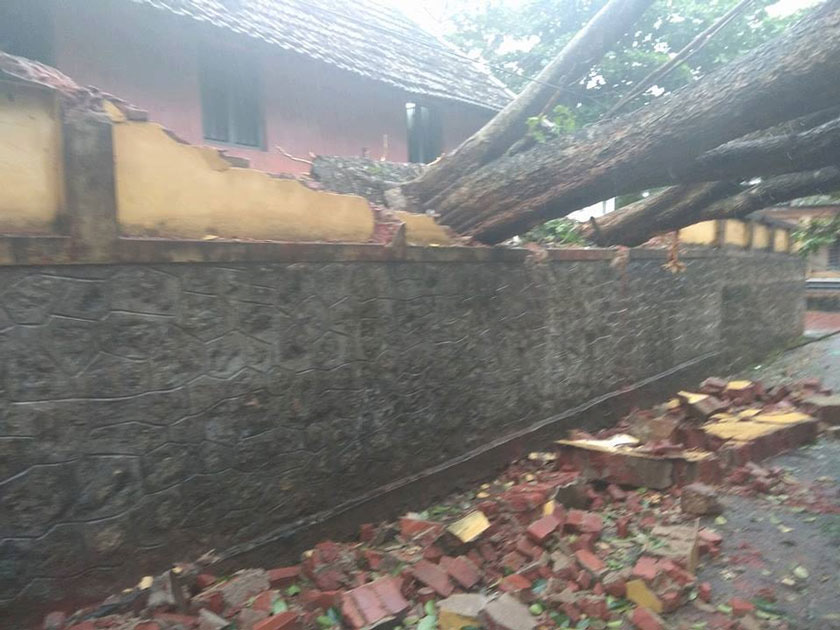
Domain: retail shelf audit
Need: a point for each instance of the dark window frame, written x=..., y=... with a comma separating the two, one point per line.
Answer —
x=424, y=132
x=235, y=76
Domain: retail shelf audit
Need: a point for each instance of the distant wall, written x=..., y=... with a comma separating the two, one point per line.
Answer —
x=151, y=412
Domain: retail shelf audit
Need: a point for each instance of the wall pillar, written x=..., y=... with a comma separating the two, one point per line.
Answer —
x=90, y=190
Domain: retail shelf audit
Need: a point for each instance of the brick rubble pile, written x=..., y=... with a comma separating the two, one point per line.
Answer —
x=599, y=531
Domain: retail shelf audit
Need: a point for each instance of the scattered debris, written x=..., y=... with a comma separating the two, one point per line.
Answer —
x=603, y=531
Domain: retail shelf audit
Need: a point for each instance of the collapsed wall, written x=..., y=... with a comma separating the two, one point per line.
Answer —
x=155, y=411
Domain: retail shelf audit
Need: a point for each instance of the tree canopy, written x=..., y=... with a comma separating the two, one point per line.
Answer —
x=517, y=39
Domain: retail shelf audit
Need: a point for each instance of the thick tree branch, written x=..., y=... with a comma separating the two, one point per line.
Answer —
x=765, y=88
x=584, y=50
x=680, y=206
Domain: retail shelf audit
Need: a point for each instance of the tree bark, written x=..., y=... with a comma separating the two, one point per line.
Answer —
x=630, y=153
x=584, y=50
x=680, y=206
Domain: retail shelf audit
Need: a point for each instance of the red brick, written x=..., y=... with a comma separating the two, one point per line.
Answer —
x=584, y=579
x=615, y=585
x=616, y=493
x=284, y=576
x=622, y=526
x=646, y=568
x=590, y=562
x=203, y=580
x=387, y=589
x=741, y=607
x=329, y=579
x=584, y=522
x=584, y=541
x=368, y=604
x=313, y=598
x=704, y=592
x=412, y=527
x=572, y=612
x=187, y=621
x=645, y=619
x=514, y=583
x=541, y=529
x=373, y=559
x=432, y=553
x=710, y=536
x=489, y=508
x=595, y=607
x=328, y=551
x=528, y=548
x=264, y=601
x=284, y=621
x=677, y=573
x=351, y=612
x=462, y=570
x=513, y=561
x=671, y=600
x=434, y=577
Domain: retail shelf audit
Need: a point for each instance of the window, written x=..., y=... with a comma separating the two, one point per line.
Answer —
x=230, y=99
x=424, y=133
x=26, y=29
x=834, y=255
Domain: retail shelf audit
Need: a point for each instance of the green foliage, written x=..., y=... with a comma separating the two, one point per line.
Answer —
x=519, y=37
x=562, y=121
x=816, y=233
x=561, y=231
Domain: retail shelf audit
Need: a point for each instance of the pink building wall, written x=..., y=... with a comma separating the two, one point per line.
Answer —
x=151, y=59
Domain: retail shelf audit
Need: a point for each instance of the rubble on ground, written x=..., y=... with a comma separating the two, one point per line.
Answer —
x=600, y=531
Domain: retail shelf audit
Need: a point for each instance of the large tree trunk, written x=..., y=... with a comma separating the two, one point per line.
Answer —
x=680, y=206
x=514, y=193
x=584, y=50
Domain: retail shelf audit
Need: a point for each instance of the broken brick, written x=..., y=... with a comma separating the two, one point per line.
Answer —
x=264, y=601
x=591, y=562
x=368, y=604
x=647, y=569
x=594, y=606
x=541, y=529
x=615, y=585
x=616, y=493
x=622, y=526
x=206, y=580
x=284, y=621
x=645, y=619
x=462, y=570
x=433, y=577
x=514, y=583
x=562, y=565
x=704, y=591
x=741, y=607
x=412, y=527
x=323, y=600
x=513, y=561
x=527, y=548
x=284, y=576
x=351, y=613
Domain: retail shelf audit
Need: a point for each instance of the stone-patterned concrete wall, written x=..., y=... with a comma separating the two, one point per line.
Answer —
x=153, y=412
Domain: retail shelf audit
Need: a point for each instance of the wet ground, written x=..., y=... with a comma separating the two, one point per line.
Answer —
x=775, y=551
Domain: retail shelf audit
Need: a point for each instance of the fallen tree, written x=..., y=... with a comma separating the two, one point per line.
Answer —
x=503, y=130
x=680, y=206
x=655, y=146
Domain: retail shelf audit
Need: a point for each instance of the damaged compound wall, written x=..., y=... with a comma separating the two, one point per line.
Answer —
x=151, y=412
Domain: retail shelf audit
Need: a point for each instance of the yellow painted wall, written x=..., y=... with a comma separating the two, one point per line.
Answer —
x=761, y=236
x=700, y=233
x=166, y=188
x=31, y=179
x=421, y=229
x=781, y=240
x=735, y=233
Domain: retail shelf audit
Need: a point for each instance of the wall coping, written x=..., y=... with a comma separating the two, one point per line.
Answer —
x=62, y=250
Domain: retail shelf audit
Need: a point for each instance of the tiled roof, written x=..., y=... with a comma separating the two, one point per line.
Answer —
x=359, y=36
